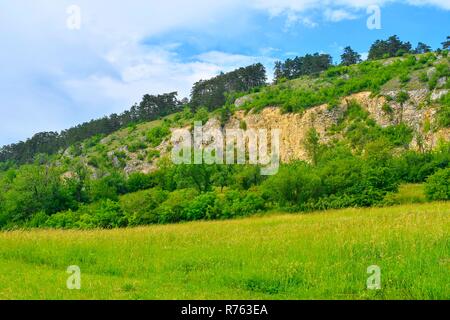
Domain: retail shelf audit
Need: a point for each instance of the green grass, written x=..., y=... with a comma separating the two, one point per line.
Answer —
x=407, y=193
x=308, y=256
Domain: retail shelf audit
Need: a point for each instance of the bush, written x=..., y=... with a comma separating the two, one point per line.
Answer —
x=387, y=109
x=153, y=154
x=107, y=214
x=399, y=135
x=156, y=135
x=404, y=78
x=437, y=186
x=108, y=187
x=140, y=145
x=413, y=167
x=139, y=207
x=356, y=181
x=201, y=115
x=63, y=220
x=294, y=184
x=38, y=220
x=247, y=176
x=423, y=77
x=202, y=207
x=140, y=181
x=173, y=209
x=238, y=204
x=402, y=97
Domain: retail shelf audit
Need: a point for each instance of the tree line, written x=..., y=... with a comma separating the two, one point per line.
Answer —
x=150, y=108
x=212, y=93
x=313, y=64
x=300, y=66
x=205, y=93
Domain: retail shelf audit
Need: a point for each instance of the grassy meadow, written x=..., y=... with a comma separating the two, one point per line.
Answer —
x=290, y=256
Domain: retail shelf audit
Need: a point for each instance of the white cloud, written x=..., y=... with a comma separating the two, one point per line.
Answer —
x=278, y=7
x=336, y=10
x=226, y=60
x=444, y=4
x=339, y=15
x=294, y=19
x=53, y=78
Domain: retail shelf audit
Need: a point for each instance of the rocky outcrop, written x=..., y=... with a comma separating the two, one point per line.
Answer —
x=418, y=112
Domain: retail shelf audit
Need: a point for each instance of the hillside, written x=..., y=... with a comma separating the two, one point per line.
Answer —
x=349, y=137
x=295, y=106
x=315, y=256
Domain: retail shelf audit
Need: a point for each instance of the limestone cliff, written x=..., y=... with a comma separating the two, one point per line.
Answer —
x=415, y=113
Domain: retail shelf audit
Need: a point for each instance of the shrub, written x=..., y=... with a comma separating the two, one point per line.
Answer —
x=139, y=207
x=237, y=204
x=38, y=220
x=132, y=127
x=387, y=109
x=202, y=207
x=432, y=82
x=153, y=154
x=121, y=157
x=423, y=77
x=355, y=111
x=404, y=78
x=202, y=115
x=358, y=181
x=157, y=134
x=94, y=161
x=93, y=141
x=402, y=97
x=107, y=214
x=63, y=220
x=442, y=70
x=294, y=184
x=139, y=181
x=173, y=209
x=400, y=135
x=437, y=186
x=416, y=167
x=108, y=187
x=140, y=145
x=246, y=177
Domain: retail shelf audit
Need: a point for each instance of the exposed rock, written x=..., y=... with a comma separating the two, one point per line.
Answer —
x=438, y=94
x=242, y=100
x=441, y=82
x=294, y=126
x=431, y=72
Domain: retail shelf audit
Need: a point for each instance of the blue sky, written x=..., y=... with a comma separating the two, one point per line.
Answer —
x=53, y=77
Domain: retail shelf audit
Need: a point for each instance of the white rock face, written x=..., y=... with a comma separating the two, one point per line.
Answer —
x=438, y=94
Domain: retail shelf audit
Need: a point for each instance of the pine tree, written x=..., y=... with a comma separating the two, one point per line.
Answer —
x=446, y=44
x=350, y=57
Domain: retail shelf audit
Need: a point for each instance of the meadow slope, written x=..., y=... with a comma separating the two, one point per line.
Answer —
x=306, y=256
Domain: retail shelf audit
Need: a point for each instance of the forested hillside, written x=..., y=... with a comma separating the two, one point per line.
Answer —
x=351, y=135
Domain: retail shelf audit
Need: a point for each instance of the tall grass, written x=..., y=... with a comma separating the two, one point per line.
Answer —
x=310, y=256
